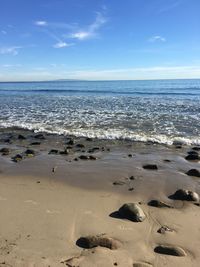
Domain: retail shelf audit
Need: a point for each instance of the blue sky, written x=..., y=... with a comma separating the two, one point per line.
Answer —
x=99, y=39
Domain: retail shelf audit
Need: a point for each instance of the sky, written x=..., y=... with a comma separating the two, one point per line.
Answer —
x=99, y=39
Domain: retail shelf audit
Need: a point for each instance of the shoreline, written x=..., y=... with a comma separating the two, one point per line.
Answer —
x=66, y=188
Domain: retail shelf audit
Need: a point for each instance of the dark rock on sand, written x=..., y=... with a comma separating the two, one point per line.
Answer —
x=88, y=139
x=29, y=152
x=164, y=229
x=83, y=157
x=21, y=137
x=17, y=158
x=94, y=149
x=193, y=172
x=35, y=143
x=183, y=194
x=130, y=155
x=167, y=160
x=54, y=151
x=5, y=151
x=131, y=177
x=169, y=250
x=80, y=145
x=142, y=264
x=158, y=204
x=64, y=152
x=89, y=242
x=192, y=153
x=118, y=183
x=92, y=157
x=132, y=212
x=192, y=157
x=70, y=142
x=39, y=136
x=177, y=143
x=150, y=167
x=7, y=140
x=196, y=148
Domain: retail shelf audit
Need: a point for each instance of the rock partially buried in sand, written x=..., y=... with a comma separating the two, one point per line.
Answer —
x=158, y=204
x=187, y=195
x=5, y=151
x=196, y=148
x=193, y=172
x=150, y=167
x=192, y=157
x=39, y=136
x=98, y=241
x=169, y=250
x=142, y=264
x=29, y=152
x=17, y=158
x=132, y=212
x=164, y=229
x=54, y=151
x=21, y=137
x=118, y=183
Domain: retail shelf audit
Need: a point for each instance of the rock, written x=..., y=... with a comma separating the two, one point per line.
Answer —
x=196, y=148
x=35, y=143
x=131, y=189
x=21, y=137
x=142, y=264
x=193, y=172
x=98, y=241
x=7, y=140
x=54, y=151
x=75, y=159
x=83, y=157
x=158, y=204
x=39, y=136
x=17, y=158
x=167, y=160
x=183, y=194
x=94, y=149
x=192, y=157
x=192, y=153
x=131, y=177
x=177, y=143
x=118, y=183
x=169, y=250
x=150, y=167
x=132, y=212
x=92, y=157
x=64, y=152
x=164, y=229
x=88, y=139
x=70, y=142
x=130, y=155
x=29, y=152
x=5, y=151
x=80, y=145
x=178, y=147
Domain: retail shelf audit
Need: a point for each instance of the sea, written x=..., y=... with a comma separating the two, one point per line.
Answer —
x=161, y=111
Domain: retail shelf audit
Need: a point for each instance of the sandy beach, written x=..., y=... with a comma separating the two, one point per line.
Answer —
x=60, y=189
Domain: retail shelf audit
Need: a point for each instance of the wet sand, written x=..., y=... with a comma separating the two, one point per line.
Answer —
x=48, y=201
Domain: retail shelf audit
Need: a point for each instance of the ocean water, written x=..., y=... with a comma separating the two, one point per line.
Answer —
x=160, y=111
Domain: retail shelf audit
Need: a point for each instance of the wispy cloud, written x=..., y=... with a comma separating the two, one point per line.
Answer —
x=171, y=5
x=61, y=44
x=157, y=38
x=90, y=31
x=11, y=65
x=12, y=50
x=4, y=32
x=41, y=23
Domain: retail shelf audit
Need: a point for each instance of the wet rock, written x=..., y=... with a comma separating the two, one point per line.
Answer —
x=7, y=140
x=193, y=172
x=192, y=157
x=192, y=153
x=17, y=158
x=164, y=229
x=64, y=152
x=83, y=157
x=132, y=212
x=177, y=143
x=35, y=143
x=150, y=167
x=196, y=148
x=70, y=142
x=92, y=157
x=89, y=242
x=54, y=151
x=5, y=151
x=88, y=139
x=130, y=155
x=39, y=136
x=29, y=152
x=158, y=204
x=94, y=149
x=80, y=146
x=170, y=250
x=118, y=183
x=142, y=264
x=21, y=137
x=187, y=195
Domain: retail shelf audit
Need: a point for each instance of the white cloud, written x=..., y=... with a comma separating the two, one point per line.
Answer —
x=61, y=44
x=12, y=50
x=3, y=32
x=157, y=38
x=40, y=23
x=91, y=30
x=11, y=65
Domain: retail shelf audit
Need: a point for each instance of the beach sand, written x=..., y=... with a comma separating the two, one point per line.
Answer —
x=49, y=201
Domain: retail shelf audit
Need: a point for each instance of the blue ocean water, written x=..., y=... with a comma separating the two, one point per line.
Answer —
x=159, y=110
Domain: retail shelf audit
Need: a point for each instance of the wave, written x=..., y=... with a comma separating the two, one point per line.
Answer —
x=57, y=91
